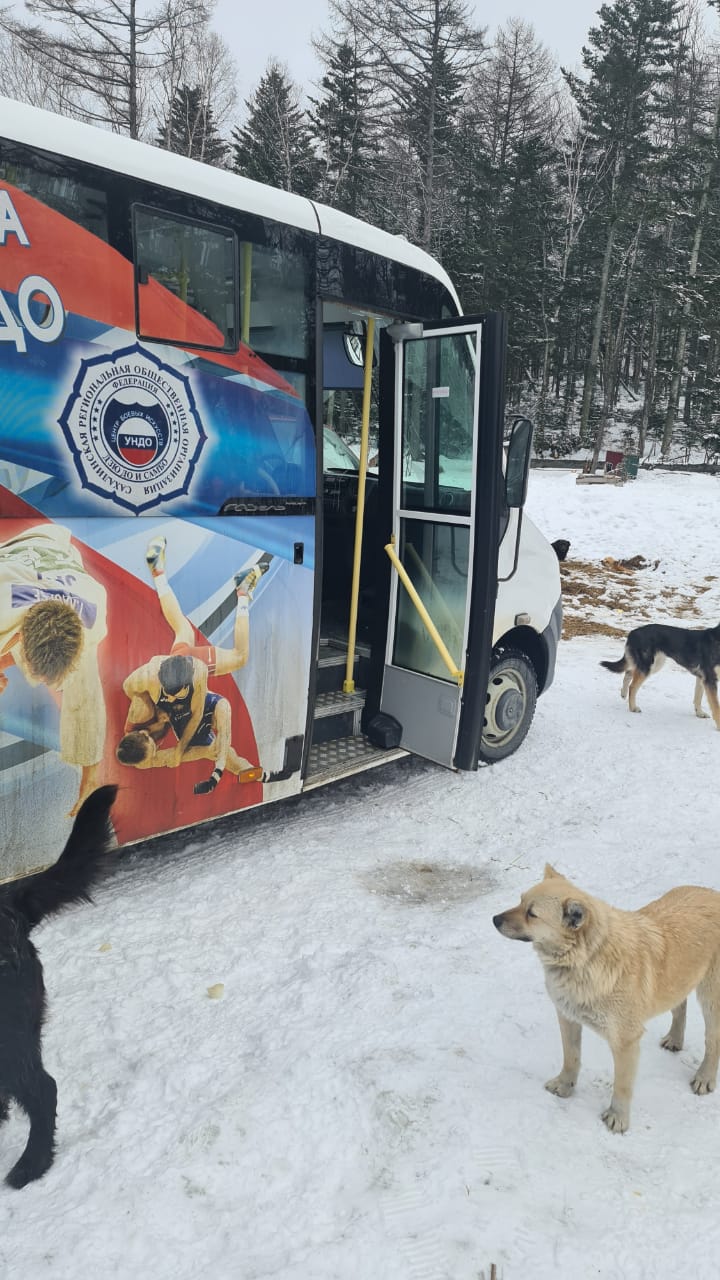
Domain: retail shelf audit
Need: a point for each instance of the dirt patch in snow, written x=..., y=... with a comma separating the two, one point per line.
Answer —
x=612, y=596
x=417, y=883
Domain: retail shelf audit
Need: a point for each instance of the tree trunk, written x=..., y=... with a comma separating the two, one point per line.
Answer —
x=679, y=356
x=617, y=349
x=133, y=75
x=572, y=374
x=649, y=400
x=594, y=358
x=429, y=202
x=638, y=349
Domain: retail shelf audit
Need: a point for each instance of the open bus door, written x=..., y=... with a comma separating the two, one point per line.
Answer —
x=441, y=420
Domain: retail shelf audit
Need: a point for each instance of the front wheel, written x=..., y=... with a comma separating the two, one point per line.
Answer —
x=509, y=705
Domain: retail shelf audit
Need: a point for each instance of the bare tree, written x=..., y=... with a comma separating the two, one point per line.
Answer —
x=420, y=53
x=33, y=77
x=189, y=53
x=98, y=49
x=514, y=92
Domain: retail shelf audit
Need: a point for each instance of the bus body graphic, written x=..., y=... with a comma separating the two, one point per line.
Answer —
x=188, y=361
x=140, y=452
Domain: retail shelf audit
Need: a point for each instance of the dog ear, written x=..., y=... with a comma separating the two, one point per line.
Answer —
x=574, y=914
x=551, y=873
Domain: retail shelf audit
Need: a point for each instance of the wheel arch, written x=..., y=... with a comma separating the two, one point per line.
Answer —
x=532, y=645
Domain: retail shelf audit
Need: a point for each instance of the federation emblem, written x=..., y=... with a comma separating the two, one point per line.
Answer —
x=133, y=428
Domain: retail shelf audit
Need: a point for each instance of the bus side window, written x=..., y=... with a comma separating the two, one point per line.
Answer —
x=276, y=314
x=185, y=276
x=52, y=183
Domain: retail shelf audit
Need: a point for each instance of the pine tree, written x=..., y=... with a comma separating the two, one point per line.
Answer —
x=627, y=60
x=190, y=130
x=507, y=193
x=341, y=124
x=694, y=167
x=275, y=145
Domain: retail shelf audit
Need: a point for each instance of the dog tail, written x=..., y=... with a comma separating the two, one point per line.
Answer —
x=620, y=665
x=79, y=867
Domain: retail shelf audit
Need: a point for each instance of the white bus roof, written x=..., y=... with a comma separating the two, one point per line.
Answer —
x=112, y=151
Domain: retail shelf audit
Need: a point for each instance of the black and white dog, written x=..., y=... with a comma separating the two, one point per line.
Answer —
x=23, y=904
x=698, y=651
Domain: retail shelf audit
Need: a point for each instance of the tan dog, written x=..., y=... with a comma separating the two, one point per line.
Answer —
x=612, y=970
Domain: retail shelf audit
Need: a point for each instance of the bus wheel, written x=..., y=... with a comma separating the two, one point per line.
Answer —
x=509, y=706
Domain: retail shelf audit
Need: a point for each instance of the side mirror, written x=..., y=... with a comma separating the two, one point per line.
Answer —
x=517, y=465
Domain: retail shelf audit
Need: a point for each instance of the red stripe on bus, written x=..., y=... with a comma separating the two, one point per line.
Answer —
x=96, y=281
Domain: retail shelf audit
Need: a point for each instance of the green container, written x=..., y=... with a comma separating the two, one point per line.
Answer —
x=630, y=465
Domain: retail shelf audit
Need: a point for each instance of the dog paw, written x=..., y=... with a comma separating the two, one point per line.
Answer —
x=702, y=1084
x=616, y=1121
x=561, y=1088
x=668, y=1042
x=636, y=710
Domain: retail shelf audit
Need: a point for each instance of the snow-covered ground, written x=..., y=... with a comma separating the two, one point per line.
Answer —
x=365, y=1101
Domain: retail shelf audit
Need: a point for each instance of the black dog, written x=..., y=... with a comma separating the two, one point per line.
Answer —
x=646, y=649
x=24, y=904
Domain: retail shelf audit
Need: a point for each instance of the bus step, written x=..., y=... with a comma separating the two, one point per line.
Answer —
x=330, y=761
x=332, y=662
x=337, y=715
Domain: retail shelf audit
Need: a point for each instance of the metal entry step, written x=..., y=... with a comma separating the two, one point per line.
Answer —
x=337, y=715
x=332, y=664
x=328, y=704
x=329, y=761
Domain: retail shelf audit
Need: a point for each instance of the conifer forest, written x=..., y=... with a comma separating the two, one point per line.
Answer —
x=583, y=203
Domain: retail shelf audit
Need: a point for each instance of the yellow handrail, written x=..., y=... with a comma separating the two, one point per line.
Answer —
x=247, y=287
x=449, y=623
x=349, y=683
x=435, y=636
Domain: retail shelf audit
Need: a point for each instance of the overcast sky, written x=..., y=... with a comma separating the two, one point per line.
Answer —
x=283, y=29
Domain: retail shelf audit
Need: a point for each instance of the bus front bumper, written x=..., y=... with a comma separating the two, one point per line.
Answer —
x=551, y=636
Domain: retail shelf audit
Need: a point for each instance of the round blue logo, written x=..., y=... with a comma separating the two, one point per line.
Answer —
x=135, y=433
x=133, y=427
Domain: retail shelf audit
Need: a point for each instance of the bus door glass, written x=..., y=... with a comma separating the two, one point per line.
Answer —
x=436, y=412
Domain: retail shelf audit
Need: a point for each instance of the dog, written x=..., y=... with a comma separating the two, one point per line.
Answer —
x=23, y=904
x=612, y=970
x=560, y=546
x=698, y=651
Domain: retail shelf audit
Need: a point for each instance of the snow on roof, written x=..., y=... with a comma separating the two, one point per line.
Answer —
x=114, y=152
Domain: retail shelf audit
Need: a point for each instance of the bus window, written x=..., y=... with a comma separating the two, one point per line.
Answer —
x=336, y=454
x=47, y=181
x=344, y=339
x=196, y=263
x=438, y=413
x=437, y=441
x=275, y=300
